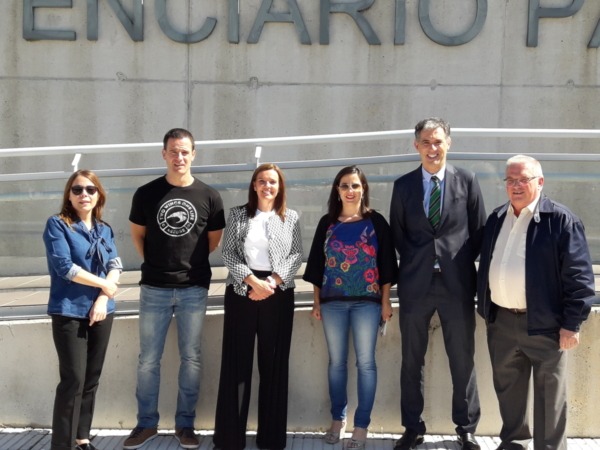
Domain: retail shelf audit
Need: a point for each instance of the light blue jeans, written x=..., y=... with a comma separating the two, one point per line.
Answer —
x=362, y=317
x=157, y=307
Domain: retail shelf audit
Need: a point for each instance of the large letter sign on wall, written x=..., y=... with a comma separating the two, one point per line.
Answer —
x=536, y=12
x=29, y=31
x=443, y=39
x=265, y=15
x=354, y=11
x=134, y=25
x=132, y=19
x=233, y=30
x=160, y=9
x=400, y=24
x=595, y=40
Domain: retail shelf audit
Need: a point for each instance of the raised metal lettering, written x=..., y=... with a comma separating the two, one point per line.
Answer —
x=29, y=31
x=133, y=25
x=450, y=41
x=400, y=22
x=160, y=10
x=265, y=15
x=536, y=12
x=353, y=10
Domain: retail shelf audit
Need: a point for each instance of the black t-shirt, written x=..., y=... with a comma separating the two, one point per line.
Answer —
x=177, y=220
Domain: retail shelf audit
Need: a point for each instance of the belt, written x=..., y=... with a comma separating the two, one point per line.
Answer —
x=515, y=311
x=437, y=270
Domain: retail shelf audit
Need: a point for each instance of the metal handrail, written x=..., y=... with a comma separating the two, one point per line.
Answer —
x=258, y=143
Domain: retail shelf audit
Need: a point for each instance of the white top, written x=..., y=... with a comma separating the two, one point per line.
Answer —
x=256, y=245
x=507, y=268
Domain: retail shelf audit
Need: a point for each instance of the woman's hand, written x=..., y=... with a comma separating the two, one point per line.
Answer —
x=386, y=310
x=252, y=295
x=316, y=311
x=109, y=288
x=386, y=303
x=98, y=311
x=261, y=289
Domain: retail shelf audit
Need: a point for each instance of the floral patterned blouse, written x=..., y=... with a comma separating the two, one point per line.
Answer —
x=352, y=260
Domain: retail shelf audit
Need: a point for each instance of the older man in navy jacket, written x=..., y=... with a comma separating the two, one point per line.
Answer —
x=535, y=288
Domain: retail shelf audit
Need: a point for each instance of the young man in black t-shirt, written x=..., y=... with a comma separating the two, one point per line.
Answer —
x=176, y=221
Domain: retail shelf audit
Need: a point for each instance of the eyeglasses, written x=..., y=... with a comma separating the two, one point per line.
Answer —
x=355, y=186
x=78, y=190
x=519, y=181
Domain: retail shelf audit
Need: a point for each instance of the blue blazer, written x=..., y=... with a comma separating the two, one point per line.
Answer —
x=456, y=242
x=559, y=278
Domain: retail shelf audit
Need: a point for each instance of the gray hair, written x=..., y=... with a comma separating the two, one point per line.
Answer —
x=528, y=161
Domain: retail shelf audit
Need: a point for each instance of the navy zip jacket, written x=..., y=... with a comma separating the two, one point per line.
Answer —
x=559, y=279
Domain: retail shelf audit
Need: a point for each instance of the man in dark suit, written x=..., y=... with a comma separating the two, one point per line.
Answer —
x=437, y=217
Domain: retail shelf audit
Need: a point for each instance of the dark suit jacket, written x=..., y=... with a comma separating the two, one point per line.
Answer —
x=456, y=243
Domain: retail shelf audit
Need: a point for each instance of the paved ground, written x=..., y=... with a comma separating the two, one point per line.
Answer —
x=36, y=439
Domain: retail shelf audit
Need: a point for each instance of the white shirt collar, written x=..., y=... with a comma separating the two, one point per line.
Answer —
x=427, y=176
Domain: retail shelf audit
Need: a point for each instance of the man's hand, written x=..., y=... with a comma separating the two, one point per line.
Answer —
x=568, y=339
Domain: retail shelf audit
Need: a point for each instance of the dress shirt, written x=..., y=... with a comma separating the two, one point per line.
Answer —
x=507, y=268
x=427, y=188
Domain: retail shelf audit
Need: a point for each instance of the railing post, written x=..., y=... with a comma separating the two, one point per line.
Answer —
x=75, y=162
x=257, y=154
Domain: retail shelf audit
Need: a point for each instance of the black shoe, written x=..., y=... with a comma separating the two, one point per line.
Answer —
x=87, y=446
x=467, y=442
x=409, y=440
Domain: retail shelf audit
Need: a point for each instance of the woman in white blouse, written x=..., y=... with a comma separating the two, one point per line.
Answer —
x=262, y=249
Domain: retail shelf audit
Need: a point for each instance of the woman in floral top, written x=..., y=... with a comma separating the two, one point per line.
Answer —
x=352, y=265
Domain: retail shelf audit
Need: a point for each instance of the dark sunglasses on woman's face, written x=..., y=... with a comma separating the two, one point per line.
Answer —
x=78, y=190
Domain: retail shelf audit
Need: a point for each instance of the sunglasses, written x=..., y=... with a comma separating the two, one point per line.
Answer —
x=345, y=187
x=78, y=190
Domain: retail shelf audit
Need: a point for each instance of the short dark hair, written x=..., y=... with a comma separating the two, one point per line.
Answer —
x=178, y=133
x=432, y=123
x=280, y=200
x=334, y=204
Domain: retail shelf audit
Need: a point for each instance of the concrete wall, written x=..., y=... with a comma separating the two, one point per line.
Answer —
x=116, y=90
x=29, y=374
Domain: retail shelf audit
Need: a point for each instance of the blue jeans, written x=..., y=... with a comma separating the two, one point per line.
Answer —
x=157, y=307
x=362, y=317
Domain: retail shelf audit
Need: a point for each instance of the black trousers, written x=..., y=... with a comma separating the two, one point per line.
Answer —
x=271, y=321
x=81, y=350
x=457, y=318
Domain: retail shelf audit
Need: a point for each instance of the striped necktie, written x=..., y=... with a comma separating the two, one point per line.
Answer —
x=435, y=202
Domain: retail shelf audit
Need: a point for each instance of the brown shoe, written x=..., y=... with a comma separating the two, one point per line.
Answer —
x=138, y=437
x=186, y=437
